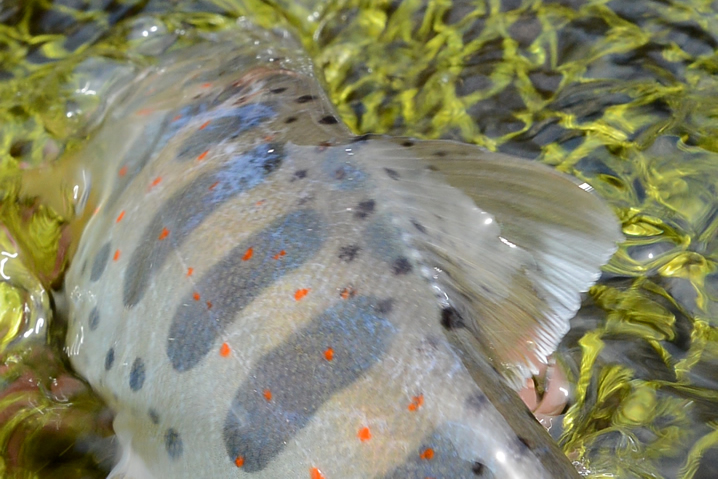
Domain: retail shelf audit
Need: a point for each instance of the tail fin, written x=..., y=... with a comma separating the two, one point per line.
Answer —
x=509, y=244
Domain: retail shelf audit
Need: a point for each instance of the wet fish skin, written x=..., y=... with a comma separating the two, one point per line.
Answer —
x=263, y=293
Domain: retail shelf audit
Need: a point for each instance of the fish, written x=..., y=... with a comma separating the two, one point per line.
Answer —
x=258, y=292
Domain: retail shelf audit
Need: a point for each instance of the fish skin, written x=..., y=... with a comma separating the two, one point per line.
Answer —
x=248, y=301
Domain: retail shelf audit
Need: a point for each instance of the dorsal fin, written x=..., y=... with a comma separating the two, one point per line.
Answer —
x=508, y=244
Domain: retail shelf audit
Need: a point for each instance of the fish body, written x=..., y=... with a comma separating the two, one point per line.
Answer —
x=262, y=294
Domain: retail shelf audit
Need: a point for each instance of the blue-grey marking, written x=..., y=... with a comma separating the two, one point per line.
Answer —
x=234, y=123
x=100, y=262
x=93, y=319
x=343, y=173
x=137, y=375
x=139, y=154
x=383, y=240
x=233, y=283
x=188, y=208
x=301, y=379
x=173, y=443
x=109, y=359
x=445, y=463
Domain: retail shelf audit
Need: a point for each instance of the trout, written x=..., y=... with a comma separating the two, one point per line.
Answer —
x=259, y=293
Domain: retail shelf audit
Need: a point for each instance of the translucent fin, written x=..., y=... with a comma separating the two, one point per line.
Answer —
x=130, y=465
x=509, y=244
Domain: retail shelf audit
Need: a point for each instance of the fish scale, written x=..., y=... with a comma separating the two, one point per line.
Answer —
x=266, y=295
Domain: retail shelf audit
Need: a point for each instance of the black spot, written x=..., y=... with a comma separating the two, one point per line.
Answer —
x=306, y=98
x=478, y=468
x=450, y=318
x=154, y=416
x=94, y=319
x=401, y=266
x=173, y=443
x=278, y=90
x=392, y=174
x=361, y=139
x=419, y=226
x=137, y=375
x=109, y=359
x=291, y=119
x=348, y=253
x=477, y=402
x=20, y=148
x=523, y=442
x=329, y=120
x=272, y=161
x=299, y=175
x=432, y=168
x=100, y=262
x=340, y=173
x=407, y=143
x=385, y=306
x=364, y=209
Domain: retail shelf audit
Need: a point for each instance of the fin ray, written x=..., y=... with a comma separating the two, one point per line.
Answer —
x=508, y=243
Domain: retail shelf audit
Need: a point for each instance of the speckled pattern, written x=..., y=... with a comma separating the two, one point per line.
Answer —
x=261, y=305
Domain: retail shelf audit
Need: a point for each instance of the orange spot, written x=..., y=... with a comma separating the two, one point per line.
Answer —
x=213, y=185
x=164, y=234
x=364, y=434
x=224, y=352
x=267, y=394
x=156, y=181
x=201, y=157
x=196, y=296
x=97, y=210
x=329, y=354
x=206, y=85
x=247, y=254
x=301, y=293
x=190, y=271
x=428, y=454
x=209, y=304
x=120, y=216
x=347, y=292
x=123, y=171
x=116, y=256
x=177, y=117
x=280, y=254
x=269, y=138
x=259, y=203
x=204, y=125
x=315, y=473
x=416, y=402
x=239, y=462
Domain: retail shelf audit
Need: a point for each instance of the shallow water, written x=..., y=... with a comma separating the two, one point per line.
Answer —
x=621, y=95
